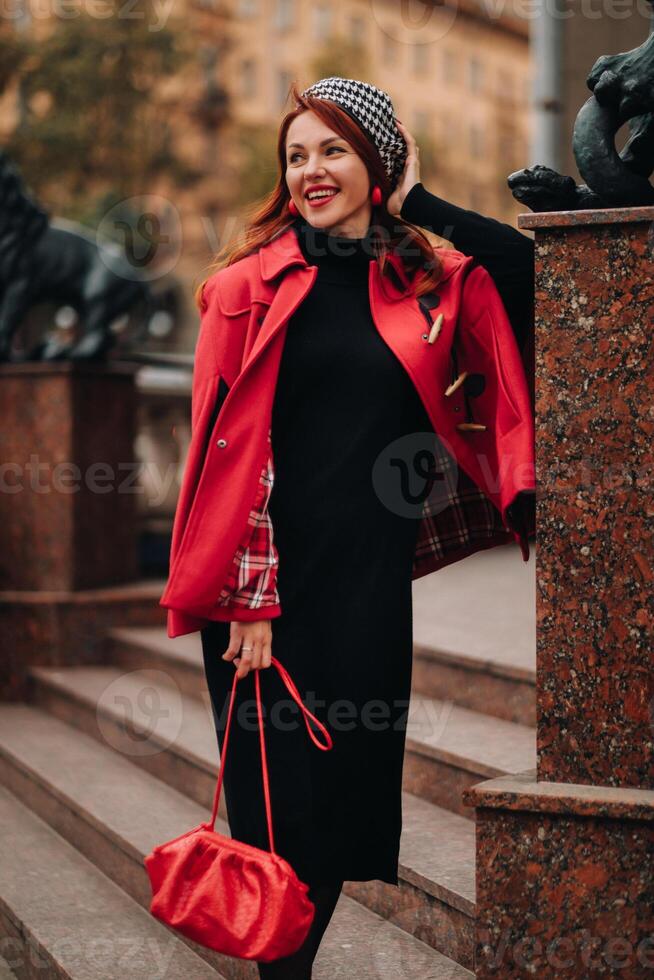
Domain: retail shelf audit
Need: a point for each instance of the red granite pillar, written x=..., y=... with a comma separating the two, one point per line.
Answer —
x=68, y=480
x=595, y=558
x=68, y=516
x=565, y=854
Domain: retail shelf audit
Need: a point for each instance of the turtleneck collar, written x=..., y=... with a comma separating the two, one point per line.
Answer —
x=339, y=259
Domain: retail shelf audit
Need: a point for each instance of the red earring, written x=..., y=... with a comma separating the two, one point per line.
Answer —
x=376, y=196
x=292, y=206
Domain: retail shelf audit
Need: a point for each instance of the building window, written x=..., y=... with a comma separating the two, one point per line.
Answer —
x=248, y=78
x=476, y=140
x=389, y=50
x=420, y=59
x=475, y=74
x=449, y=66
x=322, y=22
x=247, y=8
x=452, y=129
x=422, y=121
x=284, y=79
x=358, y=30
x=283, y=17
x=506, y=85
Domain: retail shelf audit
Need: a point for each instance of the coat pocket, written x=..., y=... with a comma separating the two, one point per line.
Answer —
x=221, y=395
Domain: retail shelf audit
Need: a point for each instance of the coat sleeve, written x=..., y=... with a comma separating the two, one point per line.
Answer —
x=206, y=377
x=506, y=254
x=250, y=591
x=483, y=309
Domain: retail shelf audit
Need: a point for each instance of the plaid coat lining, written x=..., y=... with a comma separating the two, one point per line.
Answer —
x=454, y=515
x=252, y=580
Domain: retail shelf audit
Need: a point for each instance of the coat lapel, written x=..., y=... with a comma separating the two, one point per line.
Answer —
x=281, y=255
x=396, y=312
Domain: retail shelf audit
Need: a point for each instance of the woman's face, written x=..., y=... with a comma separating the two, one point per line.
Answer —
x=316, y=155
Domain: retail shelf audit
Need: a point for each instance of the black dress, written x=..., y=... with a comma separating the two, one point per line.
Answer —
x=344, y=581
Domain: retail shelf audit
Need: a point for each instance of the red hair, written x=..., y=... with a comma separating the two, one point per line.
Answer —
x=270, y=216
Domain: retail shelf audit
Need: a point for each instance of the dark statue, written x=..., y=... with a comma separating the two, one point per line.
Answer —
x=59, y=263
x=623, y=92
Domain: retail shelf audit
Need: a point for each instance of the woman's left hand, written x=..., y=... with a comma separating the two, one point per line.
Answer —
x=409, y=176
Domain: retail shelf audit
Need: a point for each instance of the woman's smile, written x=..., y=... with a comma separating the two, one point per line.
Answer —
x=321, y=198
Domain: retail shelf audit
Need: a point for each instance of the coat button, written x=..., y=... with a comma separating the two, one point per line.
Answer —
x=456, y=384
x=221, y=443
x=436, y=329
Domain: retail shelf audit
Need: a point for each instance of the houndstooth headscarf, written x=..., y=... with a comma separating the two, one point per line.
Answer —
x=372, y=109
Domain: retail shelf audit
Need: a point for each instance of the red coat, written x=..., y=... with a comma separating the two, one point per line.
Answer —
x=223, y=561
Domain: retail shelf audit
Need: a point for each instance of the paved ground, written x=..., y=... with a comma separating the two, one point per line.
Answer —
x=483, y=606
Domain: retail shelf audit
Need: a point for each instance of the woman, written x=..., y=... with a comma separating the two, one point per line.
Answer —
x=336, y=586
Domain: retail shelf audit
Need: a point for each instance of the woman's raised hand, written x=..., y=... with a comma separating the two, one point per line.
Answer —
x=250, y=645
x=409, y=176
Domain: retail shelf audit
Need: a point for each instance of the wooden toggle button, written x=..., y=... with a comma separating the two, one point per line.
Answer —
x=471, y=427
x=436, y=329
x=456, y=384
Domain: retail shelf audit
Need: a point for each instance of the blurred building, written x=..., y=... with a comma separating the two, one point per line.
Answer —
x=459, y=78
x=487, y=87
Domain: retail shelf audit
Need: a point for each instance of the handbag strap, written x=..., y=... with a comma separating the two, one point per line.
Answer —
x=295, y=694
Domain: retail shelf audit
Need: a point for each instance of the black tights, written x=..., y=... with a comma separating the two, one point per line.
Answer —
x=298, y=965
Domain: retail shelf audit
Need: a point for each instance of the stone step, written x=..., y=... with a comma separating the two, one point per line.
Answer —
x=485, y=661
x=62, y=917
x=53, y=628
x=450, y=748
x=149, y=646
x=493, y=687
x=498, y=682
x=460, y=746
x=437, y=859
x=114, y=812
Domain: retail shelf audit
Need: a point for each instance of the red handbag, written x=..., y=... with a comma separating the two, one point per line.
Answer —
x=228, y=895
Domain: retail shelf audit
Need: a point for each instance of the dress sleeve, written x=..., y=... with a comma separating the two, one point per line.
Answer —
x=506, y=254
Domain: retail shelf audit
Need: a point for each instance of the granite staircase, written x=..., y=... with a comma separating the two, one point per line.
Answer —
x=88, y=785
